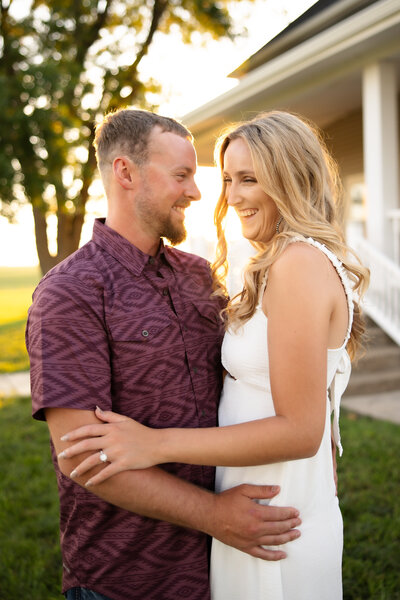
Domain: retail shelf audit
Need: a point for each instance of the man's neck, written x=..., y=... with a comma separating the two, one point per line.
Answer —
x=135, y=236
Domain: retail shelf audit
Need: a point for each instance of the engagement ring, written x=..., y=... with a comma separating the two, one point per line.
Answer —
x=103, y=456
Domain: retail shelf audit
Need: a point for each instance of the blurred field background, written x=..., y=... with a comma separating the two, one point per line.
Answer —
x=16, y=287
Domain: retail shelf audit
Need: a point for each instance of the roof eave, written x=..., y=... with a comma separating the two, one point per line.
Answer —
x=343, y=47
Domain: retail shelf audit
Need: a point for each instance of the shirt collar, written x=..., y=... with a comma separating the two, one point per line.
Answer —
x=124, y=251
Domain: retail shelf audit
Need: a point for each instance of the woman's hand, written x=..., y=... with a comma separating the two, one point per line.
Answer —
x=126, y=443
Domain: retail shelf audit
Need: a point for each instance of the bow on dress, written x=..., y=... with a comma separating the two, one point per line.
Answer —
x=336, y=390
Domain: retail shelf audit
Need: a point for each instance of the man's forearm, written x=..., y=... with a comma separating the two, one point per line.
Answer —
x=157, y=494
x=152, y=492
x=232, y=517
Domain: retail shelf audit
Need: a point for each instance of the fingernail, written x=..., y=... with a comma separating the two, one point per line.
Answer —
x=88, y=483
x=281, y=556
x=275, y=488
x=74, y=473
x=62, y=454
x=297, y=534
x=98, y=408
x=64, y=438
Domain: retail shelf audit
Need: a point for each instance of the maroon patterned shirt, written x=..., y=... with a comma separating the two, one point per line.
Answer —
x=141, y=336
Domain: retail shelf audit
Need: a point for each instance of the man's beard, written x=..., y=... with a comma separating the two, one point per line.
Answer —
x=173, y=233
x=161, y=225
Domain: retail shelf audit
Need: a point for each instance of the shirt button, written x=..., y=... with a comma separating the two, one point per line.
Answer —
x=145, y=333
x=165, y=292
x=203, y=412
x=194, y=369
x=152, y=260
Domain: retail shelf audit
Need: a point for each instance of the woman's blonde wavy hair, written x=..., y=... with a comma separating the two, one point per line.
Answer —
x=293, y=167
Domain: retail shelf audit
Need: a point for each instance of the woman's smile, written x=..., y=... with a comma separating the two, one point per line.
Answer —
x=246, y=212
x=257, y=212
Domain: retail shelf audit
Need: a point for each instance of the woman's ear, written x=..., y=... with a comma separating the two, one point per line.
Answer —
x=125, y=172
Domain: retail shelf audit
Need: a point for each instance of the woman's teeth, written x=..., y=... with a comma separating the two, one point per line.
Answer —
x=248, y=212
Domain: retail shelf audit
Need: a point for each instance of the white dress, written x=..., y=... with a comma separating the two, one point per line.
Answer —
x=312, y=569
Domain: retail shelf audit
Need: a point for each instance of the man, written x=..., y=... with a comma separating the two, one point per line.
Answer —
x=128, y=324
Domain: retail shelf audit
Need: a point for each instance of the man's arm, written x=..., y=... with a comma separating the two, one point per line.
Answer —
x=232, y=517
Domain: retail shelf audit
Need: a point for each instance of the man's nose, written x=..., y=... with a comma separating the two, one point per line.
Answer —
x=194, y=192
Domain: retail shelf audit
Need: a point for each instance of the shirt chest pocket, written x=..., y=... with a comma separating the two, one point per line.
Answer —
x=134, y=340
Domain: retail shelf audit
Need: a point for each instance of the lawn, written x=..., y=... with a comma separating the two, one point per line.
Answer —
x=369, y=490
x=30, y=556
x=16, y=287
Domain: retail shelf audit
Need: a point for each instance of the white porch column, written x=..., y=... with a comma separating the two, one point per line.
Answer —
x=381, y=151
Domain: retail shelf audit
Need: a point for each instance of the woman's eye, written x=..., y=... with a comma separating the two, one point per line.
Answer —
x=249, y=180
x=227, y=180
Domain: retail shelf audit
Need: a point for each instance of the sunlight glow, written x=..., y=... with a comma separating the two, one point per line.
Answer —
x=189, y=76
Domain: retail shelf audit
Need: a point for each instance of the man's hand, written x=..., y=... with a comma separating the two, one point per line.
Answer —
x=241, y=522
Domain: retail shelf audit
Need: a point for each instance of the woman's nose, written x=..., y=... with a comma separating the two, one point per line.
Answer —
x=232, y=195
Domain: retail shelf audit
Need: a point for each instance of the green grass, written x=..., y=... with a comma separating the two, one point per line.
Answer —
x=369, y=479
x=16, y=287
x=17, y=277
x=13, y=354
x=369, y=486
x=30, y=557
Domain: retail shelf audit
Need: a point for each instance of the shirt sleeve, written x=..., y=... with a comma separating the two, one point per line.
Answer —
x=68, y=346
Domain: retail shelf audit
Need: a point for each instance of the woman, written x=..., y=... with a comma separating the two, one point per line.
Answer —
x=284, y=348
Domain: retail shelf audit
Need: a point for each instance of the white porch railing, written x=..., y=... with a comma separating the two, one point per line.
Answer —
x=382, y=300
x=394, y=216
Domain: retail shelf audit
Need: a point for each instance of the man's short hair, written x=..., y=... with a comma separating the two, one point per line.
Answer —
x=127, y=131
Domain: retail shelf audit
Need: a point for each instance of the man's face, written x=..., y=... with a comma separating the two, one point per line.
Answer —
x=167, y=186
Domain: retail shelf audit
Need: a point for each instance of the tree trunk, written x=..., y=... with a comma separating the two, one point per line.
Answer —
x=46, y=260
x=68, y=233
x=68, y=238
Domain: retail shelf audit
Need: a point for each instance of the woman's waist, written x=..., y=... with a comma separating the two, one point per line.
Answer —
x=303, y=484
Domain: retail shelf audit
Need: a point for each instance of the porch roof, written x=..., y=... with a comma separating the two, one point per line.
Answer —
x=313, y=68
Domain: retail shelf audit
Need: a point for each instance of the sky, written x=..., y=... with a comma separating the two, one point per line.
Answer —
x=188, y=79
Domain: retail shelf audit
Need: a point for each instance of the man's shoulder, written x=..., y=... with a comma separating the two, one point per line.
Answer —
x=85, y=267
x=72, y=291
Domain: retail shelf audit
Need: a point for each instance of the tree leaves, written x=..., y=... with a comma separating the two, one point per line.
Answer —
x=61, y=68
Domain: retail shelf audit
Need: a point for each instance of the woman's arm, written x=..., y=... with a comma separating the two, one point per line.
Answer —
x=299, y=305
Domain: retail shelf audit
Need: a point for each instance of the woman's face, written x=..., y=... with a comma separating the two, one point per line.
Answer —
x=257, y=212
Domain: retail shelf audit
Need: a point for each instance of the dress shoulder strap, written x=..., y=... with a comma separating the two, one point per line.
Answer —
x=342, y=274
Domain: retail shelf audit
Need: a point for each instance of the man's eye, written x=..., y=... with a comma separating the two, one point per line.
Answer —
x=181, y=175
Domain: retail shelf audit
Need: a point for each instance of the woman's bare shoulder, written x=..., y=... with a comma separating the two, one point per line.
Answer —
x=300, y=259
x=300, y=282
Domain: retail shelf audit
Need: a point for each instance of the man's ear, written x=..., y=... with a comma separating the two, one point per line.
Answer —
x=125, y=172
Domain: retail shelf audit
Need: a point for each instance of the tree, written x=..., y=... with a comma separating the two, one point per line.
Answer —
x=61, y=68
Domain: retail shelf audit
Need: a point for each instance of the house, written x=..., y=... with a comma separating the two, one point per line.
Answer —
x=338, y=64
